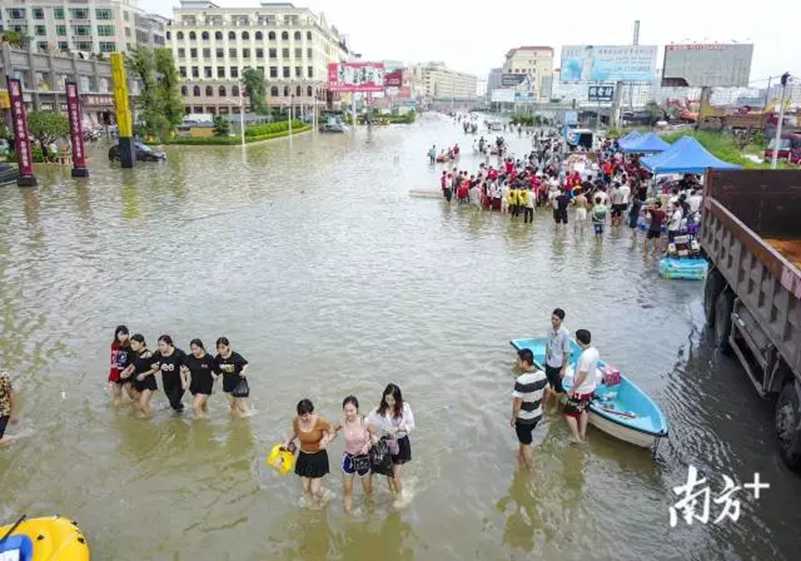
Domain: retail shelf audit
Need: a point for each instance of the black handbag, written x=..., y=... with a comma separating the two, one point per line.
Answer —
x=380, y=458
x=361, y=463
x=242, y=389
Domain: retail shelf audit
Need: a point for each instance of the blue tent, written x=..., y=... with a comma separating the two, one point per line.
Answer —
x=685, y=156
x=646, y=144
x=629, y=138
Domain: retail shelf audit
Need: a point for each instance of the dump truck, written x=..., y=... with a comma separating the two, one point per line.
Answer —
x=751, y=234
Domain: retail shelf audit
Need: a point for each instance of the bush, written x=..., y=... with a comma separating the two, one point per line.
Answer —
x=271, y=128
x=234, y=140
x=721, y=145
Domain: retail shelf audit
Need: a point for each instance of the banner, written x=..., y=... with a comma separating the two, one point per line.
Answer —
x=393, y=79
x=511, y=80
x=22, y=142
x=607, y=63
x=76, y=131
x=502, y=95
x=601, y=93
x=711, y=65
x=356, y=77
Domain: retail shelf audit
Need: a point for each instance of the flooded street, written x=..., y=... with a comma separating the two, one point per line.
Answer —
x=313, y=260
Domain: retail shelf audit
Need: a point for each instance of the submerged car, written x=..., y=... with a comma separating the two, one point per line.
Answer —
x=143, y=153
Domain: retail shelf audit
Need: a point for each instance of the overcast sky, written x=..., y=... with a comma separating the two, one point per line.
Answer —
x=473, y=37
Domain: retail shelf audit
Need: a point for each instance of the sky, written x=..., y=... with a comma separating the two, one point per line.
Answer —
x=474, y=37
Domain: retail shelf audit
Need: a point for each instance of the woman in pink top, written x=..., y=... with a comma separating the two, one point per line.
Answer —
x=355, y=459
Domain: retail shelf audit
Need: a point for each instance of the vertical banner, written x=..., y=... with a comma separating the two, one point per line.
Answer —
x=124, y=124
x=22, y=142
x=76, y=131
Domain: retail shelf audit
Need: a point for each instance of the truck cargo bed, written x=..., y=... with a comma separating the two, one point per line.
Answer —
x=789, y=248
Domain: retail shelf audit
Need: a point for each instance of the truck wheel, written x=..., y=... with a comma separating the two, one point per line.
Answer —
x=715, y=283
x=788, y=425
x=723, y=308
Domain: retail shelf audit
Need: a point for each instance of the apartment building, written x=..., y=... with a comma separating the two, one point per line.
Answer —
x=291, y=46
x=536, y=63
x=434, y=80
x=88, y=26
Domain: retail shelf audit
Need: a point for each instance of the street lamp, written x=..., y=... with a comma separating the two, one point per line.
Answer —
x=775, y=160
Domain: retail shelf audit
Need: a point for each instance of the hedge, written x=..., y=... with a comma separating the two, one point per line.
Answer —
x=270, y=128
x=234, y=140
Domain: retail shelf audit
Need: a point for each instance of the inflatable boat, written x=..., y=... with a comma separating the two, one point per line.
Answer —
x=43, y=539
x=689, y=268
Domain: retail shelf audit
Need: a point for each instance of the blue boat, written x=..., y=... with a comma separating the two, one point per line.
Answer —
x=689, y=268
x=622, y=410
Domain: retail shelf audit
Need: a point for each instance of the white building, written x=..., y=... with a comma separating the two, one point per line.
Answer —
x=434, y=80
x=291, y=46
x=91, y=26
x=536, y=63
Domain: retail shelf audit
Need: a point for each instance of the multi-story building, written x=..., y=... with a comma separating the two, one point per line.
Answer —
x=536, y=63
x=213, y=46
x=90, y=26
x=434, y=80
x=494, y=80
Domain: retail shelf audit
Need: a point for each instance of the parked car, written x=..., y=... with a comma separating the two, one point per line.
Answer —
x=143, y=153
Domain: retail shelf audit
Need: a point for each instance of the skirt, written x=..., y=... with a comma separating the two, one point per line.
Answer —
x=312, y=466
x=404, y=454
x=149, y=383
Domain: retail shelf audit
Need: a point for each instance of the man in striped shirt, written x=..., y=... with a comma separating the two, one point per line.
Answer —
x=527, y=405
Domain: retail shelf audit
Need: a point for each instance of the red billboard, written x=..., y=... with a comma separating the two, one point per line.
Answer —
x=356, y=77
x=393, y=79
x=22, y=142
x=76, y=131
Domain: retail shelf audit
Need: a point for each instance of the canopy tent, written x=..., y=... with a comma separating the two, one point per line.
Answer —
x=646, y=144
x=629, y=138
x=685, y=156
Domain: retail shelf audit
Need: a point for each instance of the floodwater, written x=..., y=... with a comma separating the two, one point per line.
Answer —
x=312, y=258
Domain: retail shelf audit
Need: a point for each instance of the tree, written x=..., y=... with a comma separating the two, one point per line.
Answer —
x=222, y=127
x=255, y=90
x=655, y=112
x=15, y=39
x=169, y=92
x=160, y=108
x=47, y=127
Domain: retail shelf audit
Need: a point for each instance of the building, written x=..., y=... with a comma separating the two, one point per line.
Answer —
x=536, y=63
x=88, y=26
x=435, y=81
x=493, y=80
x=291, y=46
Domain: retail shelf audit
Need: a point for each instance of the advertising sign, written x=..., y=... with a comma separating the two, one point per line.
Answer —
x=512, y=80
x=393, y=79
x=120, y=79
x=76, y=131
x=601, y=93
x=707, y=65
x=503, y=95
x=22, y=142
x=356, y=77
x=605, y=63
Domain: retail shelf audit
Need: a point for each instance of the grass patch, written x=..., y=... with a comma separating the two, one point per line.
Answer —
x=256, y=133
x=724, y=147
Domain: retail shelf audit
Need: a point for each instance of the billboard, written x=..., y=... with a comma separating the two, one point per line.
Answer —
x=502, y=95
x=608, y=63
x=707, y=65
x=356, y=77
x=601, y=93
x=22, y=142
x=393, y=79
x=512, y=80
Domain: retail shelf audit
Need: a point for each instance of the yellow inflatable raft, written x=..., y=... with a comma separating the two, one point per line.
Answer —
x=44, y=539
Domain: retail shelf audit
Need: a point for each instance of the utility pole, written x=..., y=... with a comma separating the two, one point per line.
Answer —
x=775, y=160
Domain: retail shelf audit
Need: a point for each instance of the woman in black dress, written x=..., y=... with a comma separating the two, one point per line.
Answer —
x=142, y=372
x=169, y=360
x=235, y=385
x=198, y=374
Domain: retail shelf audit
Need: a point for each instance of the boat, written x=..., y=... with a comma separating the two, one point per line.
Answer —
x=51, y=538
x=689, y=268
x=8, y=174
x=621, y=410
x=426, y=193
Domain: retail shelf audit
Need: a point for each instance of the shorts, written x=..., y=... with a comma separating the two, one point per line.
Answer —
x=598, y=227
x=404, y=454
x=653, y=234
x=575, y=406
x=201, y=385
x=617, y=210
x=3, y=424
x=313, y=466
x=581, y=214
x=149, y=383
x=560, y=216
x=672, y=235
x=348, y=467
x=524, y=430
x=554, y=376
x=114, y=376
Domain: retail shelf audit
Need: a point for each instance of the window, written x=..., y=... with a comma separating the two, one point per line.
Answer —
x=285, y=53
x=259, y=53
x=274, y=91
x=260, y=70
x=309, y=53
x=259, y=36
x=103, y=13
x=196, y=91
x=218, y=35
x=234, y=73
x=127, y=31
x=220, y=53
x=245, y=36
x=221, y=91
x=127, y=16
x=41, y=30
x=205, y=35
x=42, y=46
x=195, y=72
x=298, y=91
x=182, y=71
x=108, y=46
x=38, y=13
x=16, y=13
x=58, y=13
x=310, y=71
x=193, y=52
x=309, y=91
x=61, y=30
x=298, y=53
x=168, y=35
x=231, y=36
x=81, y=30
x=79, y=13
x=206, y=53
x=298, y=36
x=209, y=91
x=207, y=72
x=63, y=46
x=286, y=72
x=286, y=91
x=83, y=45
x=105, y=30
x=184, y=91
x=271, y=36
x=181, y=52
x=235, y=91
x=180, y=35
x=220, y=72
x=273, y=72
x=192, y=36
x=231, y=53
x=308, y=35
x=285, y=36
x=273, y=53
x=298, y=72
x=245, y=53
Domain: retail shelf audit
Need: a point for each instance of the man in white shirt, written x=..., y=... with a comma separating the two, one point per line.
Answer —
x=580, y=394
x=616, y=197
x=557, y=355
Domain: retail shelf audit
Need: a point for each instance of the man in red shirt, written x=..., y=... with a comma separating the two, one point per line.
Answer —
x=655, y=229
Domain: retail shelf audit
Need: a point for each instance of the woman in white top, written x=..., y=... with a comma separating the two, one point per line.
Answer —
x=394, y=418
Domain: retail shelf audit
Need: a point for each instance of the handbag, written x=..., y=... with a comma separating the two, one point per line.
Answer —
x=380, y=458
x=242, y=389
x=361, y=463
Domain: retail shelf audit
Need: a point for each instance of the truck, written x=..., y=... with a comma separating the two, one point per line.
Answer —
x=751, y=234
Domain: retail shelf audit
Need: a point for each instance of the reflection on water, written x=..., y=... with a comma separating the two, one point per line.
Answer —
x=331, y=280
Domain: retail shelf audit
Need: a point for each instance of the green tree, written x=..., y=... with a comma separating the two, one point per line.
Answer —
x=222, y=127
x=256, y=90
x=150, y=119
x=169, y=89
x=656, y=113
x=15, y=39
x=47, y=127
